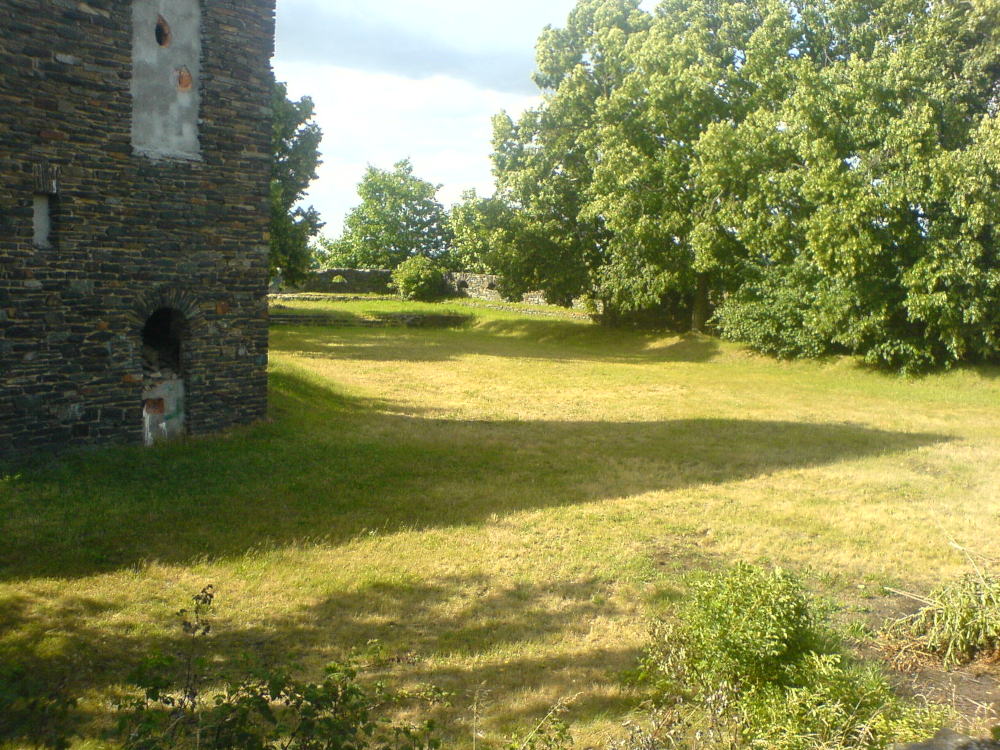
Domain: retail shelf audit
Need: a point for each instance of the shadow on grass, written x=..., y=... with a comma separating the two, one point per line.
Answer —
x=420, y=628
x=528, y=339
x=346, y=319
x=329, y=467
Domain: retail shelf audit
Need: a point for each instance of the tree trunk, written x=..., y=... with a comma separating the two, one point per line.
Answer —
x=699, y=312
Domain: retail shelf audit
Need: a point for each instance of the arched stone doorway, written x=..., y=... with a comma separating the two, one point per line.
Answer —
x=164, y=337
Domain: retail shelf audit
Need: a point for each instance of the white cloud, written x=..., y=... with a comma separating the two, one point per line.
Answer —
x=409, y=78
x=441, y=124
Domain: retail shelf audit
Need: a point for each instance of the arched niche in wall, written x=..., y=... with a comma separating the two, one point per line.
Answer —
x=166, y=323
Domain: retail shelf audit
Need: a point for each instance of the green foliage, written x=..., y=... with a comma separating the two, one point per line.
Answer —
x=295, y=156
x=828, y=173
x=744, y=627
x=483, y=233
x=270, y=712
x=35, y=706
x=778, y=311
x=541, y=162
x=419, y=278
x=961, y=622
x=853, y=174
x=399, y=217
x=551, y=733
x=746, y=663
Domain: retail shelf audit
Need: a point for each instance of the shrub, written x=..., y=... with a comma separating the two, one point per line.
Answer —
x=744, y=627
x=419, y=278
x=747, y=663
x=780, y=312
x=961, y=621
x=272, y=711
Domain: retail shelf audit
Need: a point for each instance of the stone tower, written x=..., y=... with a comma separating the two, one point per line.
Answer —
x=134, y=159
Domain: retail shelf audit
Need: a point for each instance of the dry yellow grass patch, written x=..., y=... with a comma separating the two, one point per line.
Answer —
x=499, y=506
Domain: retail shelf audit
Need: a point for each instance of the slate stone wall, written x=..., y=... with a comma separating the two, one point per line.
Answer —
x=346, y=281
x=129, y=234
x=376, y=281
x=484, y=286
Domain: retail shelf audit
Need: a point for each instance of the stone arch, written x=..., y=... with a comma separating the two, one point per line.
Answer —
x=181, y=300
x=165, y=323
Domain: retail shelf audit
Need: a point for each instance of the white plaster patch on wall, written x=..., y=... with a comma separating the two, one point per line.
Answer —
x=166, y=72
x=163, y=411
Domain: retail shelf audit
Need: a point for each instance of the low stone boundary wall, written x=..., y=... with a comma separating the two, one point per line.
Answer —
x=484, y=286
x=376, y=281
x=346, y=281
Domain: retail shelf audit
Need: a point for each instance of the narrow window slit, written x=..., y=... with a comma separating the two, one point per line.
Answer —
x=43, y=212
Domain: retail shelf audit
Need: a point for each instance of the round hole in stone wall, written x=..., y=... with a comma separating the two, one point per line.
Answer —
x=163, y=35
x=185, y=81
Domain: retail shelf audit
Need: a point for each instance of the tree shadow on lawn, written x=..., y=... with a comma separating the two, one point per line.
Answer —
x=54, y=651
x=525, y=339
x=330, y=467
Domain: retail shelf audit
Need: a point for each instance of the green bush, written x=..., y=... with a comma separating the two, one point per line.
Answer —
x=781, y=312
x=747, y=663
x=272, y=711
x=743, y=628
x=419, y=278
x=961, y=622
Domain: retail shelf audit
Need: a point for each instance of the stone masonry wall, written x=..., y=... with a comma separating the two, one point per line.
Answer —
x=368, y=281
x=346, y=281
x=129, y=234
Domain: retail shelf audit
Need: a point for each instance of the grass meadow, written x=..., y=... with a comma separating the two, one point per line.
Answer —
x=501, y=505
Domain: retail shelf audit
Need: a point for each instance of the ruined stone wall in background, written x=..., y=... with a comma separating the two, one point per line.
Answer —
x=346, y=281
x=376, y=281
x=97, y=234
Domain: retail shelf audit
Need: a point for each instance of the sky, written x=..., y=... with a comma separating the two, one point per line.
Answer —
x=417, y=79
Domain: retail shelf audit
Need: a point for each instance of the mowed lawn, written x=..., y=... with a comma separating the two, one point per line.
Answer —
x=502, y=506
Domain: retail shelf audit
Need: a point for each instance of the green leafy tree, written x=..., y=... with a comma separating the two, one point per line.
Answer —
x=543, y=162
x=864, y=201
x=479, y=227
x=399, y=217
x=699, y=63
x=491, y=236
x=295, y=156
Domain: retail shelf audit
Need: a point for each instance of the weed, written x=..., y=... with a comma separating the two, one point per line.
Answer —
x=551, y=733
x=34, y=708
x=747, y=663
x=744, y=628
x=270, y=712
x=959, y=622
